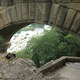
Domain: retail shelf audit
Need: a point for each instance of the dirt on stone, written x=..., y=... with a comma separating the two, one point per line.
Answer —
x=25, y=69
x=19, y=69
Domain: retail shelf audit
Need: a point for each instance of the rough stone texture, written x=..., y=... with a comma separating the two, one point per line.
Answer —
x=17, y=69
x=4, y=17
x=40, y=8
x=70, y=16
x=3, y=7
x=14, y=14
x=25, y=11
x=3, y=2
x=32, y=11
x=1, y=21
x=47, y=12
x=70, y=71
x=61, y=16
x=53, y=14
x=66, y=1
x=18, y=1
x=41, y=11
x=76, y=23
x=19, y=11
x=52, y=65
x=8, y=15
x=24, y=69
x=74, y=5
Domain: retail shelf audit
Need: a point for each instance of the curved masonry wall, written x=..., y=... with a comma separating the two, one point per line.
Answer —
x=52, y=12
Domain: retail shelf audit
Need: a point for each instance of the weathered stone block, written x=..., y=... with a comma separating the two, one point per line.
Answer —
x=76, y=23
x=70, y=16
x=54, y=12
x=3, y=7
x=61, y=16
x=43, y=12
x=8, y=14
x=40, y=8
x=47, y=12
x=1, y=21
x=25, y=11
x=43, y=0
x=18, y=1
x=4, y=16
x=4, y=2
x=19, y=12
x=14, y=14
x=66, y=1
x=32, y=9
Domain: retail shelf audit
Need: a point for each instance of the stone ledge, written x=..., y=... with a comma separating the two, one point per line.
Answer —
x=53, y=65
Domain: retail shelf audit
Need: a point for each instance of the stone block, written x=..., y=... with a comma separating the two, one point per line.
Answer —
x=32, y=11
x=69, y=18
x=14, y=16
x=40, y=8
x=4, y=2
x=66, y=1
x=47, y=12
x=4, y=17
x=19, y=12
x=1, y=21
x=54, y=12
x=18, y=1
x=76, y=23
x=8, y=14
x=61, y=16
x=25, y=11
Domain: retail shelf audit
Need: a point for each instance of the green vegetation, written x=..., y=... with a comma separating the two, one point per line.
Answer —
x=50, y=46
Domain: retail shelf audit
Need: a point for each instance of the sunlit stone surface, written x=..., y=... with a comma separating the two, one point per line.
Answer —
x=71, y=71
